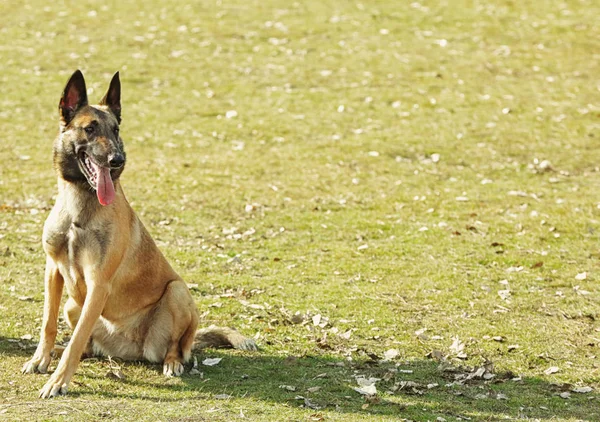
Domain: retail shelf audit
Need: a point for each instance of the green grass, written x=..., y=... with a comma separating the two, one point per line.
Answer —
x=341, y=107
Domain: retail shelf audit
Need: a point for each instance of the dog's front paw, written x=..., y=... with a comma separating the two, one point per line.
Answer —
x=38, y=363
x=54, y=387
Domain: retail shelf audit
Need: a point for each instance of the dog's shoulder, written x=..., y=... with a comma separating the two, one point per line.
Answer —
x=56, y=230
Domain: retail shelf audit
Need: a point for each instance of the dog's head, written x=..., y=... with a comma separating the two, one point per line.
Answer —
x=88, y=150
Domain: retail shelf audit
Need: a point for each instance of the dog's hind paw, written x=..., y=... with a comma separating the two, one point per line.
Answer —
x=172, y=369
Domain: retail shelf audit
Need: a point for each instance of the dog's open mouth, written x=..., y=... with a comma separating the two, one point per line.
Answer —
x=99, y=178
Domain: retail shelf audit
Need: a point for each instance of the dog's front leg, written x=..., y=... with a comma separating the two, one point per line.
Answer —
x=53, y=283
x=95, y=300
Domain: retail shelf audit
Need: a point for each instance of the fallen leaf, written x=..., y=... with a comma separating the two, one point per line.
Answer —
x=115, y=374
x=211, y=361
x=582, y=390
x=222, y=396
x=552, y=370
x=420, y=333
x=346, y=335
x=367, y=390
x=288, y=387
x=581, y=276
x=310, y=404
x=435, y=354
x=390, y=354
x=458, y=347
x=363, y=382
x=580, y=291
x=194, y=370
x=504, y=294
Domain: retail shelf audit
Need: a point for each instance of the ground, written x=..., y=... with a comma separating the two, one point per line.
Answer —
x=405, y=191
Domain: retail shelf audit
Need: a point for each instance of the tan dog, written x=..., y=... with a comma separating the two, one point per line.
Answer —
x=125, y=300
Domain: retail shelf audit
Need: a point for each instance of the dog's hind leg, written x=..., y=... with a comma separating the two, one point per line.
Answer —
x=104, y=341
x=172, y=329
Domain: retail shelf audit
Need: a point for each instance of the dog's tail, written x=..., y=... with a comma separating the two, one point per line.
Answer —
x=222, y=337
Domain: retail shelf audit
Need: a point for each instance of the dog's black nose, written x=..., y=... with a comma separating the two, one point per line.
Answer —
x=117, y=160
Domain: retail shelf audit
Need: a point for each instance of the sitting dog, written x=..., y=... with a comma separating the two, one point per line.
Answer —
x=125, y=300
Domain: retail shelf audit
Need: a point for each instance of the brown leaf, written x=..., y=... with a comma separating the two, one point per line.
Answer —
x=115, y=374
x=435, y=354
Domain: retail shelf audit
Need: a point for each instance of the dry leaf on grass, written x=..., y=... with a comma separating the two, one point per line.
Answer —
x=363, y=382
x=457, y=347
x=504, y=294
x=310, y=404
x=211, y=361
x=368, y=390
x=390, y=354
x=582, y=390
x=194, y=370
x=552, y=370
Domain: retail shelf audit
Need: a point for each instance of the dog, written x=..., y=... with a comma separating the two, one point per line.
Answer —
x=124, y=299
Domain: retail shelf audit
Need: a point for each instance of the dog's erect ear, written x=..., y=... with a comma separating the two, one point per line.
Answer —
x=73, y=98
x=112, y=99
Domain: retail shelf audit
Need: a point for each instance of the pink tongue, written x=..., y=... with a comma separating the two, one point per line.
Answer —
x=106, y=189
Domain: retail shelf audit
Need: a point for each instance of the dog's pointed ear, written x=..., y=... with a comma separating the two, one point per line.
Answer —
x=73, y=98
x=112, y=99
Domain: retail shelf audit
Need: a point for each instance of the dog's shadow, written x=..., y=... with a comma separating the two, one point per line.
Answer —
x=322, y=383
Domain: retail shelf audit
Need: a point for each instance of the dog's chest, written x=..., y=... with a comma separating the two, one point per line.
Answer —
x=68, y=243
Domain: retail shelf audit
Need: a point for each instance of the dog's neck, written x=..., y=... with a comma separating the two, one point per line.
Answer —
x=80, y=200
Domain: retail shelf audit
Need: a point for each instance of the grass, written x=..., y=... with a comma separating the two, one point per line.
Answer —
x=385, y=170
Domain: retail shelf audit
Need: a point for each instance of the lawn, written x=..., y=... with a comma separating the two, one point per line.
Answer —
x=405, y=191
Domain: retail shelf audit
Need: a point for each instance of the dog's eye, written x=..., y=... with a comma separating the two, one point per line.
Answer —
x=89, y=130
